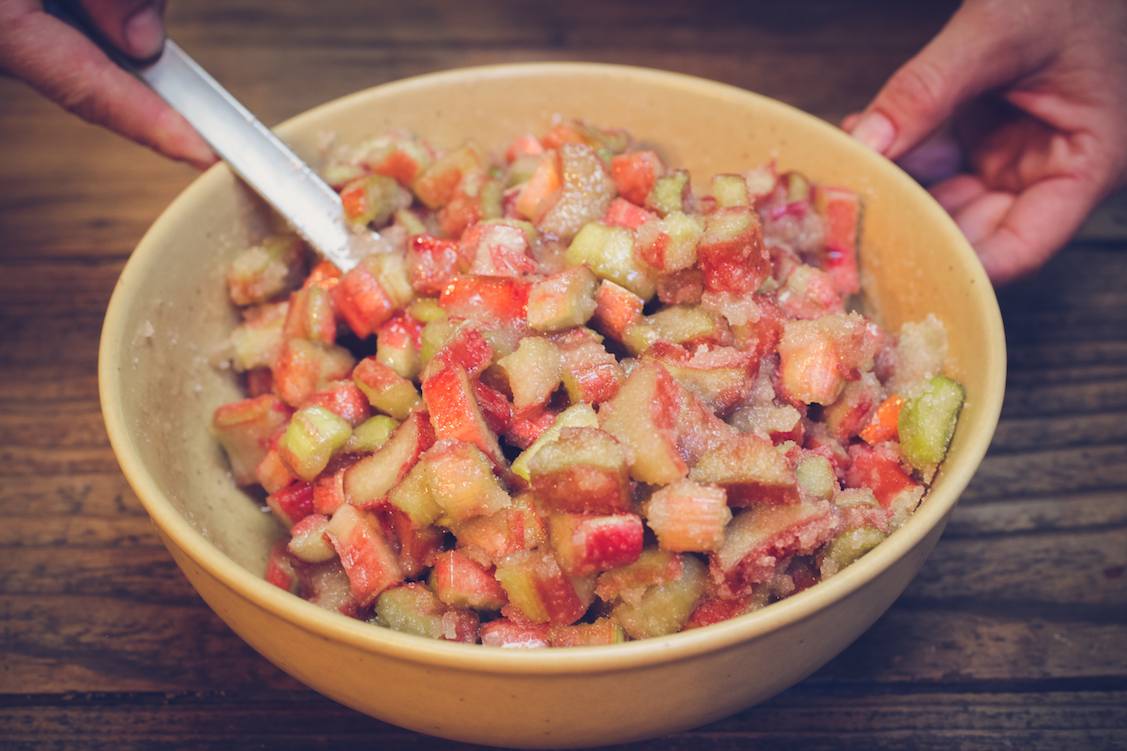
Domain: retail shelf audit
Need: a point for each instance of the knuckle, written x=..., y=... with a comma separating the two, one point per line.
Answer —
x=920, y=87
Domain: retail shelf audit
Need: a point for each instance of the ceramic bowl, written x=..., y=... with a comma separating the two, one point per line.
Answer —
x=170, y=309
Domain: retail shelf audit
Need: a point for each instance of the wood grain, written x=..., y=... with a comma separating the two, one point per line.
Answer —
x=1014, y=635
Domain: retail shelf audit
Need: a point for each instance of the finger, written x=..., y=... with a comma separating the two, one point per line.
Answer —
x=136, y=27
x=980, y=218
x=937, y=158
x=971, y=54
x=68, y=68
x=1038, y=224
x=956, y=192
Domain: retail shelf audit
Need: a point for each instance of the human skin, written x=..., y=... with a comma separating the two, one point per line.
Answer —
x=1015, y=116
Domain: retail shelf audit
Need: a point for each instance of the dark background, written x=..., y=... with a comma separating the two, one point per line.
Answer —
x=1013, y=636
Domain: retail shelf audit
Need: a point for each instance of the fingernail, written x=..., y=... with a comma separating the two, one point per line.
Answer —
x=144, y=32
x=875, y=131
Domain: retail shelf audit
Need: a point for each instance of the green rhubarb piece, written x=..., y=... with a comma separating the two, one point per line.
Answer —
x=730, y=190
x=412, y=609
x=426, y=309
x=575, y=416
x=849, y=546
x=609, y=253
x=668, y=193
x=816, y=476
x=410, y=221
x=928, y=422
x=371, y=434
x=311, y=438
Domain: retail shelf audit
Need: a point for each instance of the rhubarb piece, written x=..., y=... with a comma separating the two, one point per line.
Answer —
x=752, y=471
x=292, y=503
x=272, y=473
x=312, y=437
x=523, y=145
x=266, y=270
x=927, y=422
x=281, y=570
x=590, y=544
x=635, y=173
x=461, y=482
x=432, y=263
x=343, y=399
x=368, y=559
x=575, y=416
x=664, y=608
x=490, y=539
x=846, y=417
x=245, y=428
x=397, y=345
x=587, y=191
x=418, y=545
x=509, y=634
x=542, y=190
x=445, y=344
x=538, y=590
x=670, y=244
x=642, y=417
x=731, y=253
x=589, y=373
x=718, y=376
x=529, y=424
x=815, y=476
x=616, y=309
x=876, y=471
x=533, y=371
x=809, y=293
x=583, y=470
x=477, y=198
x=454, y=412
x=368, y=481
x=370, y=293
x=563, y=300
x=609, y=253
x=412, y=497
x=326, y=586
x=818, y=356
x=848, y=547
x=487, y=299
x=499, y=248
x=436, y=185
x=622, y=213
x=412, y=609
x=257, y=342
x=370, y=435
x=841, y=210
x=683, y=324
x=303, y=367
x=461, y=582
x=920, y=351
x=653, y=567
x=372, y=200
x=308, y=542
x=688, y=517
x=729, y=191
x=602, y=631
x=328, y=492
x=387, y=391
x=758, y=539
x=883, y=425
x=669, y=193
x=495, y=407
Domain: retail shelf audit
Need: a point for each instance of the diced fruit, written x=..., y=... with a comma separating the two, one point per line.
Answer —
x=641, y=416
x=272, y=473
x=370, y=435
x=533, y=371
x=529, y=423
x=670, y=244
x=882, y=474
x=280, y=569
x=418, y=545
x=312, y=437
x=718, y=376
x=669, y=193
x=711, y=609
x=477, y=198
x=575, y=416
x=454, y=411
x=752, y=471
x=730, y=190
x=397, y=345
x=609, y=253
x=245, y=429
x=920, y=351
x=758, y=539
x=841, y=210
x=327, y=587
x=602, y=631
x=589, y=373
x=372, y=200
x=850, y=412
x=731, y=253
x=489, y=299
x=540, y=193
x=461, y=582
x=848, y=547
x=308, y=542
x=368, y=482
x=414, y=609
x=653, y=567
x=304, y=366
x=590, y=544
x=664, y=608
x=526, y=144
x=495, y=407
x=538, y=590
x=816, y=357
x=688, y=517
x=266, y=270
x=809, y=293
x=622, y=213
x=328, y=492
x=490, y=539
x=586, y=193
x=927, y=422
x=884, y=423
x=583, y=470
x=634, y=174
x=616, y=309
x=563, y=300
x=292, y=503
x=435, y=186
x=815, y=476
x=343, y=399
x=412, y=497
x=368, y=559
x=464, y=346
x=461, y=483
x=509, y=634
x=257, y=342
x=498, y=248
x=432, y=263
x=387, y=391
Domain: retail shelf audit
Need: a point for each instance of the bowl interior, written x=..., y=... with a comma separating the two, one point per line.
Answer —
x=170, y=311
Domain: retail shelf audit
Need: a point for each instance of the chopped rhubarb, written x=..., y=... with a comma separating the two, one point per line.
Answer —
x=454, y=411
x=368, y=482
x=641, y=416
x=688, y=517
x=245, y=429
x=586, y=544
x=562, y=301
x=752, y=470
x=460, y=581
x=583, y=470
x=538, y=589
x=367, y=557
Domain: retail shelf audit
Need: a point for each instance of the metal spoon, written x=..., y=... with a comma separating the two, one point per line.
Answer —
x=259, y=157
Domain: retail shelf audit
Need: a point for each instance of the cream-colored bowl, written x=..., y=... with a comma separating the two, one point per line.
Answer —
x=169, y=311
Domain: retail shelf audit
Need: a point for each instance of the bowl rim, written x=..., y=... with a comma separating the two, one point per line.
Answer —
x=176, y=530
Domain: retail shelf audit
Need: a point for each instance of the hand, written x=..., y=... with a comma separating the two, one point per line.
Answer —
x=68, y=68
x=1015, y=116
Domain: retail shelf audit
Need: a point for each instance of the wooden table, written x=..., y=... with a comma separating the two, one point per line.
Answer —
x=1012, y=636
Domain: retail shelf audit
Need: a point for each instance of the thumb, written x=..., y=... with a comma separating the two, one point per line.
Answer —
x=136, y=27
x=976, y=51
